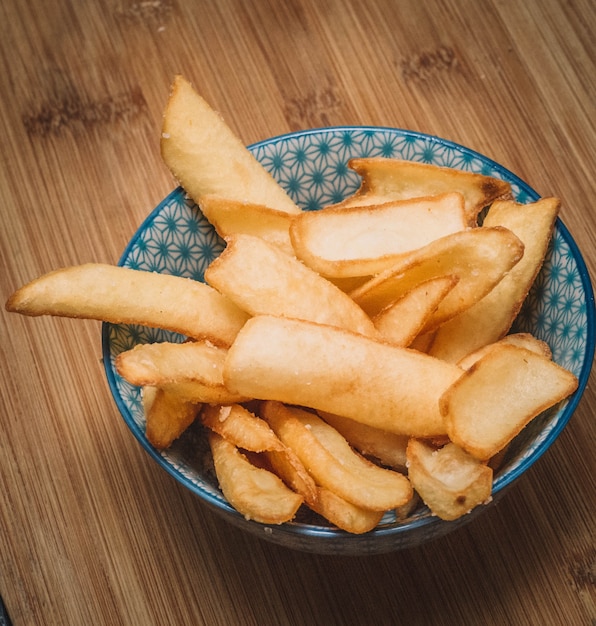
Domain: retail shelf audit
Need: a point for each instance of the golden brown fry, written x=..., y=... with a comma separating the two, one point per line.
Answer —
x=333, y=463
x=388, y=448
x=254, y=492
x=391, y=179
x=167, y=416
x=499, y=395
x=235, y=217
x=362, y=241
x=479, y=257
x=206, y=157
x=125, y=296
x=193, y=371
x=261, y=279
x=491, y=318
x=450, y=481
x=240, y=427
x=334, y=370
x=522, y=340
x=401, y=322
x=343, y=514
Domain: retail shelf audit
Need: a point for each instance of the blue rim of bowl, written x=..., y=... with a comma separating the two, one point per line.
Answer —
x=502, y=481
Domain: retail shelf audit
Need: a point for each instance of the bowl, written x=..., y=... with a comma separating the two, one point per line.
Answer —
x=312, y=166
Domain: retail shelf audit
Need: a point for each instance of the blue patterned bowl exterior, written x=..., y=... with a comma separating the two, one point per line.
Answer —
x=312, y=166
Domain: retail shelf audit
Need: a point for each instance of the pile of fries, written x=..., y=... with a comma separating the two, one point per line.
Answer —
x=351, y=360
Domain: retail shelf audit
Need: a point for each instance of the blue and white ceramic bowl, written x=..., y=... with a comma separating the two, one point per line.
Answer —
x=312, y=166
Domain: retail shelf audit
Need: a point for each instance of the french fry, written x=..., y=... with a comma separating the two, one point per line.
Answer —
x=167, y=416
x=392, y=179
x=333, y=508
x=207, y=157
x=499, y=395
x=387, y=448
x=449, y=480
x=261, y=279
x=235, y=217
x=125, y=296
x=479, y=257
x=343, y=514
x=337, y=371
x=192, y=370
x=240, y=427
x=522, y=340
x=362, y=241
x=202, y=393
x=490, y=319
x=256, y=493
x=333, y=463
x=402, y=321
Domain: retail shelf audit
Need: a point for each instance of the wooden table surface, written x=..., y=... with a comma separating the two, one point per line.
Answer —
x=91, y=530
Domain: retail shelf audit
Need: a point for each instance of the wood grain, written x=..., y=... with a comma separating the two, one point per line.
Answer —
x=93, y=532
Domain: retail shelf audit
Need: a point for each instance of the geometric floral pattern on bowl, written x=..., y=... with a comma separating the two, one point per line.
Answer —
x=312, y=166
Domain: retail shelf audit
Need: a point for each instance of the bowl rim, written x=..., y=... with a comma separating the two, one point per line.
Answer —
x=501, y=482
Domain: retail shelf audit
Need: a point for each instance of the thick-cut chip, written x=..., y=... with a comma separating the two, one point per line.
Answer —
x=192, y=370
x=449, y=480
x=261, y=279
x=522, y=340
x=206, y=157
x=499, y=395
x=254, y=492
x=402, y=321
x=241, y=427
x=233, y=217
x=201, y=393
x=343, y=514
x=491, y=318
x=479, y=257
x=391, y=179
x=251, y=433
x=333, y=464
x=125, y=296
x=387, y=448
x=363, y=241
x=333, y=370
x=167, y=416
x=338, y=511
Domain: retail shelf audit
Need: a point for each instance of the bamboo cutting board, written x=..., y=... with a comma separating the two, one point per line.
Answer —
x=91, y=530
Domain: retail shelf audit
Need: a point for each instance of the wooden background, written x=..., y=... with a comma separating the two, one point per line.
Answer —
x=91, y=531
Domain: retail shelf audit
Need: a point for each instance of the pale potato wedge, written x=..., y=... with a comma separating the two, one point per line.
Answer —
x=167, y=416
x=449, y=480
x=478, y=257
x=402, y=321
x=490, y=319
x=333, y=370
x=259, y=278
x=125, y=296
x=362, y=241
x=499, y=395
x=256, y=493
x=392, y=179
x=331, y=461
x=234, y=217
x=206, y=157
